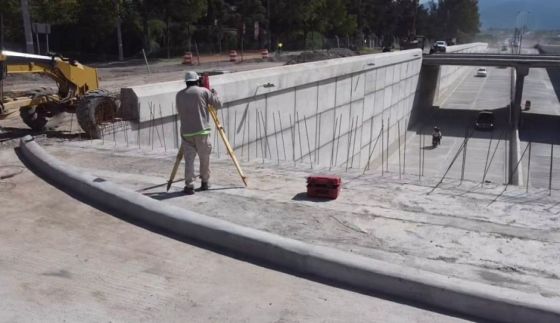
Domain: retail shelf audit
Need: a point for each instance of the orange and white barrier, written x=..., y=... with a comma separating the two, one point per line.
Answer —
x=187, y=58
x=233, y=56
x=264, y=53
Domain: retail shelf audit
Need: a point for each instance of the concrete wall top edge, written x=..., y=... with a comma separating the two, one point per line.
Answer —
x=247, y=84
x=330, y=67
x=457, y=48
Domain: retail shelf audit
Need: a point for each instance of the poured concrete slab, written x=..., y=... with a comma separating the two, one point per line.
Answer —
x=487, y=235
x=61, y=260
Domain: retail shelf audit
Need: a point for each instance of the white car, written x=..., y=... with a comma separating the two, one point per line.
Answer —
x=481, y=72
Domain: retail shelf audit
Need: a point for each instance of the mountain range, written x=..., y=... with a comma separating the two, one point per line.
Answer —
x=536, y=14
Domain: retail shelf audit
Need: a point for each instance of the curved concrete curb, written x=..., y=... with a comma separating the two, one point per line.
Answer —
x=470, y=298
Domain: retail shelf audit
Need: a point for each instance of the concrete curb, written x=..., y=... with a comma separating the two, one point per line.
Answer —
x=435, y=290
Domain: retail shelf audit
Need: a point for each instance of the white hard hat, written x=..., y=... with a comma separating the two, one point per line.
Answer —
x=191, y=76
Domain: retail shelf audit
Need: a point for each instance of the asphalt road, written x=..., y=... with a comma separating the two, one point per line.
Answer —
x=486, y=150
x=456, y=118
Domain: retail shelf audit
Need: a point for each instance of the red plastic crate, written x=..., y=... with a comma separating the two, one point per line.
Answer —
x=323, y=186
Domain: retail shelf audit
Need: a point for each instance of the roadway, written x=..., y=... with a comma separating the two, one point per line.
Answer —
x=540, y=126
x=456, y=116
x=486, y=149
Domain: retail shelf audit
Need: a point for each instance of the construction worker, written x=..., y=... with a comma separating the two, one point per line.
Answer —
x=192, y=107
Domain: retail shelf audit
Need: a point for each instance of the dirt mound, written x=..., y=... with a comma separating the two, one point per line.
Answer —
x=319, y=55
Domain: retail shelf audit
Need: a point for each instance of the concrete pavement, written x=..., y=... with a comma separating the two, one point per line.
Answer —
x=61, y=260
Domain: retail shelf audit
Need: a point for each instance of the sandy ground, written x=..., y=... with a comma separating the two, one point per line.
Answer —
x=504, y=238
x=63, y=261
x=117, y=75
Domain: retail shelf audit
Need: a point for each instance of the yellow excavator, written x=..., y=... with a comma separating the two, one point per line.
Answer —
x=78, y=92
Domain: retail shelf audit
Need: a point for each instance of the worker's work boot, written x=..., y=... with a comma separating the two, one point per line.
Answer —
x=204, y=186
x=188, y=190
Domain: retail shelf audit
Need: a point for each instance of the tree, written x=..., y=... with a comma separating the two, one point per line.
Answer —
x=459, y=19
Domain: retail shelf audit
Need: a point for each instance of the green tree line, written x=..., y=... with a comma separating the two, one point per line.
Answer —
x=87, y=29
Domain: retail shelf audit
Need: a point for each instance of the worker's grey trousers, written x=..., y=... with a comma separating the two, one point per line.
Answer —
x=197, y=145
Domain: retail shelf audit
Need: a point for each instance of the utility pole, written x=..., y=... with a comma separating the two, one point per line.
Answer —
x=27, y=26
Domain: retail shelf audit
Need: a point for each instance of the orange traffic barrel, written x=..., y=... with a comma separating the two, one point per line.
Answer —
x=264, y=53
x=233, y=56
x=187, y=58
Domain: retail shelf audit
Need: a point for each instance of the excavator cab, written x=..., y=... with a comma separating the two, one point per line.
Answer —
x=78, y=92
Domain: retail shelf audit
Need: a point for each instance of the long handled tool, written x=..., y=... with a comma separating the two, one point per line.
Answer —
x=176, y=166
x=214, y=115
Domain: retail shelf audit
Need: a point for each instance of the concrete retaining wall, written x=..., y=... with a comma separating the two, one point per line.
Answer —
x=366, y=274
x=324, y=113
x=450, y=76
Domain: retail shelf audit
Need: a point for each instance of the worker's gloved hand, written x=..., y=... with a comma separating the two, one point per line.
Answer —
x=214, y=91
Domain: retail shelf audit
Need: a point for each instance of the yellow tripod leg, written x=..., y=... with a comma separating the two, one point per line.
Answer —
x=176, y=166
x=220, y=128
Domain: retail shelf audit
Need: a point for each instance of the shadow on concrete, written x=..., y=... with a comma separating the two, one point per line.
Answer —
x=540, y=128
x=162, y=196
x=304, y=197
x=554, y=75
x=228, y=253
x=458, y=122
x=15, y=133
x=158, y=185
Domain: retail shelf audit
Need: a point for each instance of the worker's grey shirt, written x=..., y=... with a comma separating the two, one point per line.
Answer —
x=192, y=106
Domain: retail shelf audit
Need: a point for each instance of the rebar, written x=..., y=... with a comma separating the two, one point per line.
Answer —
x=492, y=158
x=550, y=174
x=338, y=140
x=404, y=153
x=299, y=137
x=399, y=131
x=420, y=154
x=528, y=168
x=114, y=132
x=308, y=145
x=487, y=156
x=267, y=144
x=292, y=133
x=463, y=164
x=162, y=128
x=318, y=138
x=382, y=146
x=373, y=150
x=234, y=131
x=276, y=139
x=126, y=132
x=138, y=134
x=259, y=135
x=333, y=140
x=243, y=137
x=354, y=143
x=349, y=134
x=388, y=142
x=247, y=122
x=282, y=133
x=317, y=126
